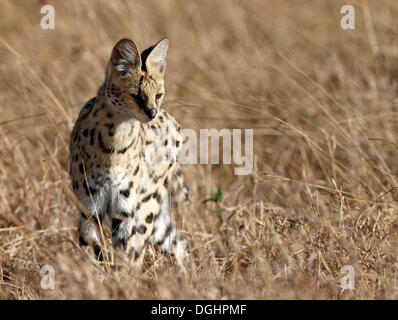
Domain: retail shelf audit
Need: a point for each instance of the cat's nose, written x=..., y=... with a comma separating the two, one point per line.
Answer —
x=152, y=114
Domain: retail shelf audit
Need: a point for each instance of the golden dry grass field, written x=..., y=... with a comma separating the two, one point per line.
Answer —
x=323, y=103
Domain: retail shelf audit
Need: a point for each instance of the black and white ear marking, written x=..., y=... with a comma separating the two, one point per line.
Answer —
x=125, y=58
x=156, y=59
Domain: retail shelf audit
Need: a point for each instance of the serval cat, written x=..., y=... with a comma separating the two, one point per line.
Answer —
x=109, y=168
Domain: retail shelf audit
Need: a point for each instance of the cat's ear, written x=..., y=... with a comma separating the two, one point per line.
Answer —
x=125, y=59
x=155, y=58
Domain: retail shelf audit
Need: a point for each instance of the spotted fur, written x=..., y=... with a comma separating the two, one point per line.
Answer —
x=110, y=143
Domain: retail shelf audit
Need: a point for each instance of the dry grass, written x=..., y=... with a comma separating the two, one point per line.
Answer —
x=323, y=105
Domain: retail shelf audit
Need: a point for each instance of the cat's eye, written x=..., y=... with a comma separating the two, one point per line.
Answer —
x=158, y=96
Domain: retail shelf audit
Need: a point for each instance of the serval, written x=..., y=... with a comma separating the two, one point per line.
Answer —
x=109, y=164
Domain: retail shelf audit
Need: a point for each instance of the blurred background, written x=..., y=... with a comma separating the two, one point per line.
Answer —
x=323, y=105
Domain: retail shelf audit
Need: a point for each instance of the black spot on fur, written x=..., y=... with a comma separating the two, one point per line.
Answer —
x=146, y=199
x=149, y=218
x=125, y=214
x=81, y=168
x=137, y=254
x=82, y=241
x=98, y=252
x=87, y=190
x=141, y=229
x=123, y=150
x=88, y=107
x=156, y=196
x=96, y=111
x=102, y=145
x=115, y=225
x=166, y=234
x=166, y=182
x=136, y=170
x=92, y=136
x=85, y=132
x=75, y=185
x=109, y=114
x=90, y=104
x=126, y=192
